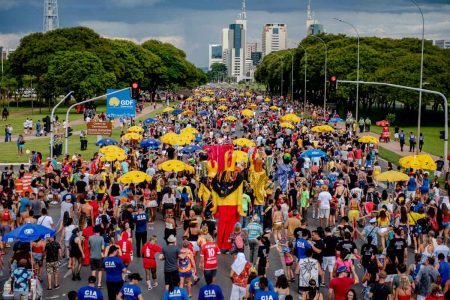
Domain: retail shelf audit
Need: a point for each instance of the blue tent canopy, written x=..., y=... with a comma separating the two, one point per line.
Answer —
x=28, y=233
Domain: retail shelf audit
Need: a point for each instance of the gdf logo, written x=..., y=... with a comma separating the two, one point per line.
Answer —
x=28, y=231
x=126, y=102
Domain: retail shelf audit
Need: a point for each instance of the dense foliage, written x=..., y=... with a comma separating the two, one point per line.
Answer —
x=381, y=60
x=79, y=59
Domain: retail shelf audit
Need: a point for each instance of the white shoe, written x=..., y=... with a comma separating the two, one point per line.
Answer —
x=54, y=202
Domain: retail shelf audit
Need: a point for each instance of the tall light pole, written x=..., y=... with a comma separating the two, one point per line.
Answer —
x=281, y=77
x=292, y=76
x=421, y=73
x=325, y=73
x=304, y=87
x=357, y=67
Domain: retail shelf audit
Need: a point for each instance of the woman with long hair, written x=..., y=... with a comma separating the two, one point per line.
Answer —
x=76, y=253
x=313, y=292
x=282, y=287
x=383, y=222
x=351, y=295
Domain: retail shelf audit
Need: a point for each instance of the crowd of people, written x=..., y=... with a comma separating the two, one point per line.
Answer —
x=310, y=195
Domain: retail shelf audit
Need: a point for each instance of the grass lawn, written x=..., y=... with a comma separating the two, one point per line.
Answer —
x=388, y=155
x=9, y=150
x=432, y=143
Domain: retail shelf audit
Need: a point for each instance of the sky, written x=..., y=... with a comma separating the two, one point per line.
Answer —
x=193, y=24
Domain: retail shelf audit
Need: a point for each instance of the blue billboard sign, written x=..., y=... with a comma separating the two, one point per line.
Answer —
x=120, y=104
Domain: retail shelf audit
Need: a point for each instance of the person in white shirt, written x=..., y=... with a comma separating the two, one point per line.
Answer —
x=46, y=220
x=324, y=199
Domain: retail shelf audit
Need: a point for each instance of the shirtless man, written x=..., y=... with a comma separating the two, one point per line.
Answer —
x=86, y=212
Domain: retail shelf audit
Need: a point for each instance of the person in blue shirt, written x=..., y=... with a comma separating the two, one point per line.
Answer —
x=90, y=292
x=255, y=283
x=24, y=201
x=140, y=220
x=210, y=290
x=264, y=293
x=175, y=292
x=114, y=268
x=301, y=244
x=131, y=291
x=444, y=269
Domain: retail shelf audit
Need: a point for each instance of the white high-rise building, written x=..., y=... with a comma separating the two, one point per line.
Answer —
x=312, y=25
x=251, y=47
x=215, y=55
x=444, y=44
x=274, y=37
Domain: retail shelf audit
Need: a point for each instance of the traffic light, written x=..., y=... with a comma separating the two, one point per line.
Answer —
x=135, y=91
x=46, y=121
x=442, y=135
x=333, y=82
x=69, y=131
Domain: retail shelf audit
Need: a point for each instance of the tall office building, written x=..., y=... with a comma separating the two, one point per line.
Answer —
x=274, y=37
x=251, y=47
x=444, y=44
x=215, y=55
x=312, y=25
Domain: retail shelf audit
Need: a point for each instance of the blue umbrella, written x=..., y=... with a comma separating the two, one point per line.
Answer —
x=191, y=149
x=203, y=113
x=150, y=121
x=150, y=143
x=336, y=120
x=106, y=142
x=28, y=233
x=313, y=153
x=176, y=111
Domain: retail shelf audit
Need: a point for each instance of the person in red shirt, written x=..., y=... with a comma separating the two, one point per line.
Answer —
x=340, y=285
x=208, y=257
x=126, y=249
x=358, y=156
x=148, y=251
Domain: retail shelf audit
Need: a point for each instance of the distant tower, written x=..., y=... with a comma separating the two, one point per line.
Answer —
x=309, y=19
x=51, y=20
x=243, y=14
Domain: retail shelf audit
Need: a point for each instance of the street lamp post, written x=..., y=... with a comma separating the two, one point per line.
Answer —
x=325, y=73
x=292, y=76
x=52, y=135
x=421, y=73
x=304, y=87
x=357, y=67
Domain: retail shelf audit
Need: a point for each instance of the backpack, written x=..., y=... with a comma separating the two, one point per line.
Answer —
x=6, y=215
x=239, y=241
x=434, y=225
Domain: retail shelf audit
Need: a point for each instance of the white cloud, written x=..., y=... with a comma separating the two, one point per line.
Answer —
x=10, y=40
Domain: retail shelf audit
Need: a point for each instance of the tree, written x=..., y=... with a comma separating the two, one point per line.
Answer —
x=218, y=70
x=79, y=71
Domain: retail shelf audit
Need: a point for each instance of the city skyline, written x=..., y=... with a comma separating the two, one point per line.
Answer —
x=193, y=25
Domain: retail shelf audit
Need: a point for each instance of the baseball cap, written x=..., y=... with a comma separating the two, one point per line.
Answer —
x=342, y=269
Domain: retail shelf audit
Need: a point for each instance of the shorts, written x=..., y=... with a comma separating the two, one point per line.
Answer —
x=38, y=258
x=185, y=274
x=445, y=224
x=153, y=203
x=170, y=277
x=277, y=226
x=96, y=264
x=4, y=229
x=382, y=230
x=328, y=263
x=212, y=272
x=52, y=267
x=195, y=246
x=353, y=215
x=324, y=213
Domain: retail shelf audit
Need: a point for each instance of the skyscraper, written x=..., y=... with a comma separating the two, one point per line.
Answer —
x=274, y=37
x=51, y=20
x=215, y=55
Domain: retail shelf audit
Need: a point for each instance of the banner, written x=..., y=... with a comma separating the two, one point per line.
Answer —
x=120, y=104
x=99, y=128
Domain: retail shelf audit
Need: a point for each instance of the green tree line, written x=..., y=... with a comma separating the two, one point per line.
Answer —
x=78, y=59
x=381, y=59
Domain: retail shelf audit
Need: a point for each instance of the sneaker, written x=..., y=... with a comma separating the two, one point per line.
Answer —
x=155, y=284
x=56, y=287
x=149, y=288
x=54, y=202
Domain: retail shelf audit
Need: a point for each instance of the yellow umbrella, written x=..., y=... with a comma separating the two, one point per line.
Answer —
x=247, y=113
x=168, y=136
x=134, y=177
x=252, y=106
x=136, y=129
x=367, y=139
x=274, y=107
x=267, y=100
x=190, y=169
x=187, y=113
x=111, y=148
x=230, y=118
x=189, y=130
x=222, y=107
x=205, y=99
x=223, y=99
x=132, y=136
x=415, y=162
x=244, y=142
x=172, y=165
x=241, y=95
x=168, y=109
x=113, y=156
x=189, y=99
x=248, y=94
x=241, y=156
x=392, y=176
x=287, y=125
x=290, y=118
